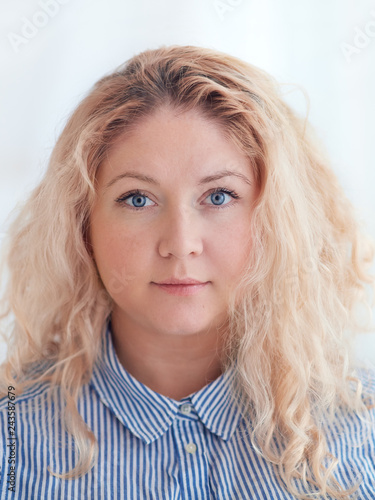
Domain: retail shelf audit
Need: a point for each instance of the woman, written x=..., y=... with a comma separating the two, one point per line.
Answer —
x=183, y=282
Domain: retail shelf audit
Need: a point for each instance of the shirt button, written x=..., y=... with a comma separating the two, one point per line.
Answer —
x=191, y=448
x=185, y=409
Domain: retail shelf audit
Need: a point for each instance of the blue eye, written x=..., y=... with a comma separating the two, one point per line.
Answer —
x=222, y=196
x=218, y=198
x=138, y=200
x=135, y=199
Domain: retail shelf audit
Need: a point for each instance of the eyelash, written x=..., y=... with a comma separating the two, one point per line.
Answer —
x=122, y=199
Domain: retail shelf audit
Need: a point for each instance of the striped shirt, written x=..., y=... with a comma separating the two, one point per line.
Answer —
x=153, y=447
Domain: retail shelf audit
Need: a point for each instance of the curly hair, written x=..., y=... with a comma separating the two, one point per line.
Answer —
x=292, y=316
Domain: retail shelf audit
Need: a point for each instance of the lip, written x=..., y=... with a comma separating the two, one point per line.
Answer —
x=183, y=281
x=183, y=287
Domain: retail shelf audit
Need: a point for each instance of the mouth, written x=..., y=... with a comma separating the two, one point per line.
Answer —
x=184, y=287
x=176, y=281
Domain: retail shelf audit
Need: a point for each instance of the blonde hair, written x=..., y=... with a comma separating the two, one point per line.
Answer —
x=292, y=314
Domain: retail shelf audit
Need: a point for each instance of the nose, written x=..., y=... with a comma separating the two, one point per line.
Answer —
x=180, y=235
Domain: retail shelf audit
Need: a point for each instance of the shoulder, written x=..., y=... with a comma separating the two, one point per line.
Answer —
x=351, y=436
x=366, y=377
x=16, y=405
x=350, y=427
x=32, y=393
x=22, y=406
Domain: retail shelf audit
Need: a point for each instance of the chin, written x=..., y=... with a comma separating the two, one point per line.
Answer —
x=181, y=326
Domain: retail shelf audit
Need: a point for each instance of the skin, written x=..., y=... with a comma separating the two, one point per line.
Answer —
x=172, y=343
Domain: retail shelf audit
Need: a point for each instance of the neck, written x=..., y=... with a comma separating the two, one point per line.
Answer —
x=172, y=365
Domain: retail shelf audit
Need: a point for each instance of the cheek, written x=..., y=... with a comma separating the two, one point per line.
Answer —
x=119, y=257
x=234, y=247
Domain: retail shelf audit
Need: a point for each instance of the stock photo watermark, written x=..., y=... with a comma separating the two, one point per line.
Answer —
x=30, y=27
x=362, y=38
x=222, y=7
x=12, y=440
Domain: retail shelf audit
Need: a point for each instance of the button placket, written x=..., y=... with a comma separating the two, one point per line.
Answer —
x=189, y=439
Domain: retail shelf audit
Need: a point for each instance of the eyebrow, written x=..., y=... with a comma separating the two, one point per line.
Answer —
x=132, y=175
x=224, y=173
x=205, y=180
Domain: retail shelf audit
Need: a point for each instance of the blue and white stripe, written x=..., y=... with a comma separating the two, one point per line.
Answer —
x=152, y=447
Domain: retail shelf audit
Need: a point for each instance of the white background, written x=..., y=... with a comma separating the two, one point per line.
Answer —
x=50, y=57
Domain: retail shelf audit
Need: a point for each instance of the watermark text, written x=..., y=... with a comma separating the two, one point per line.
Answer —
x=30, y=27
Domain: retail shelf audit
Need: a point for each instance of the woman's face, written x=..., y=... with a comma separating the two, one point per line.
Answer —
x=170, y=226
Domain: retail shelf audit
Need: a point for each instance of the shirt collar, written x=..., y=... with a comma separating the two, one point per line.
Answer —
x=148, y=414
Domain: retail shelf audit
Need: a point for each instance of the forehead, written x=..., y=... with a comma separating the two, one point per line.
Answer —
x=171, y=140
